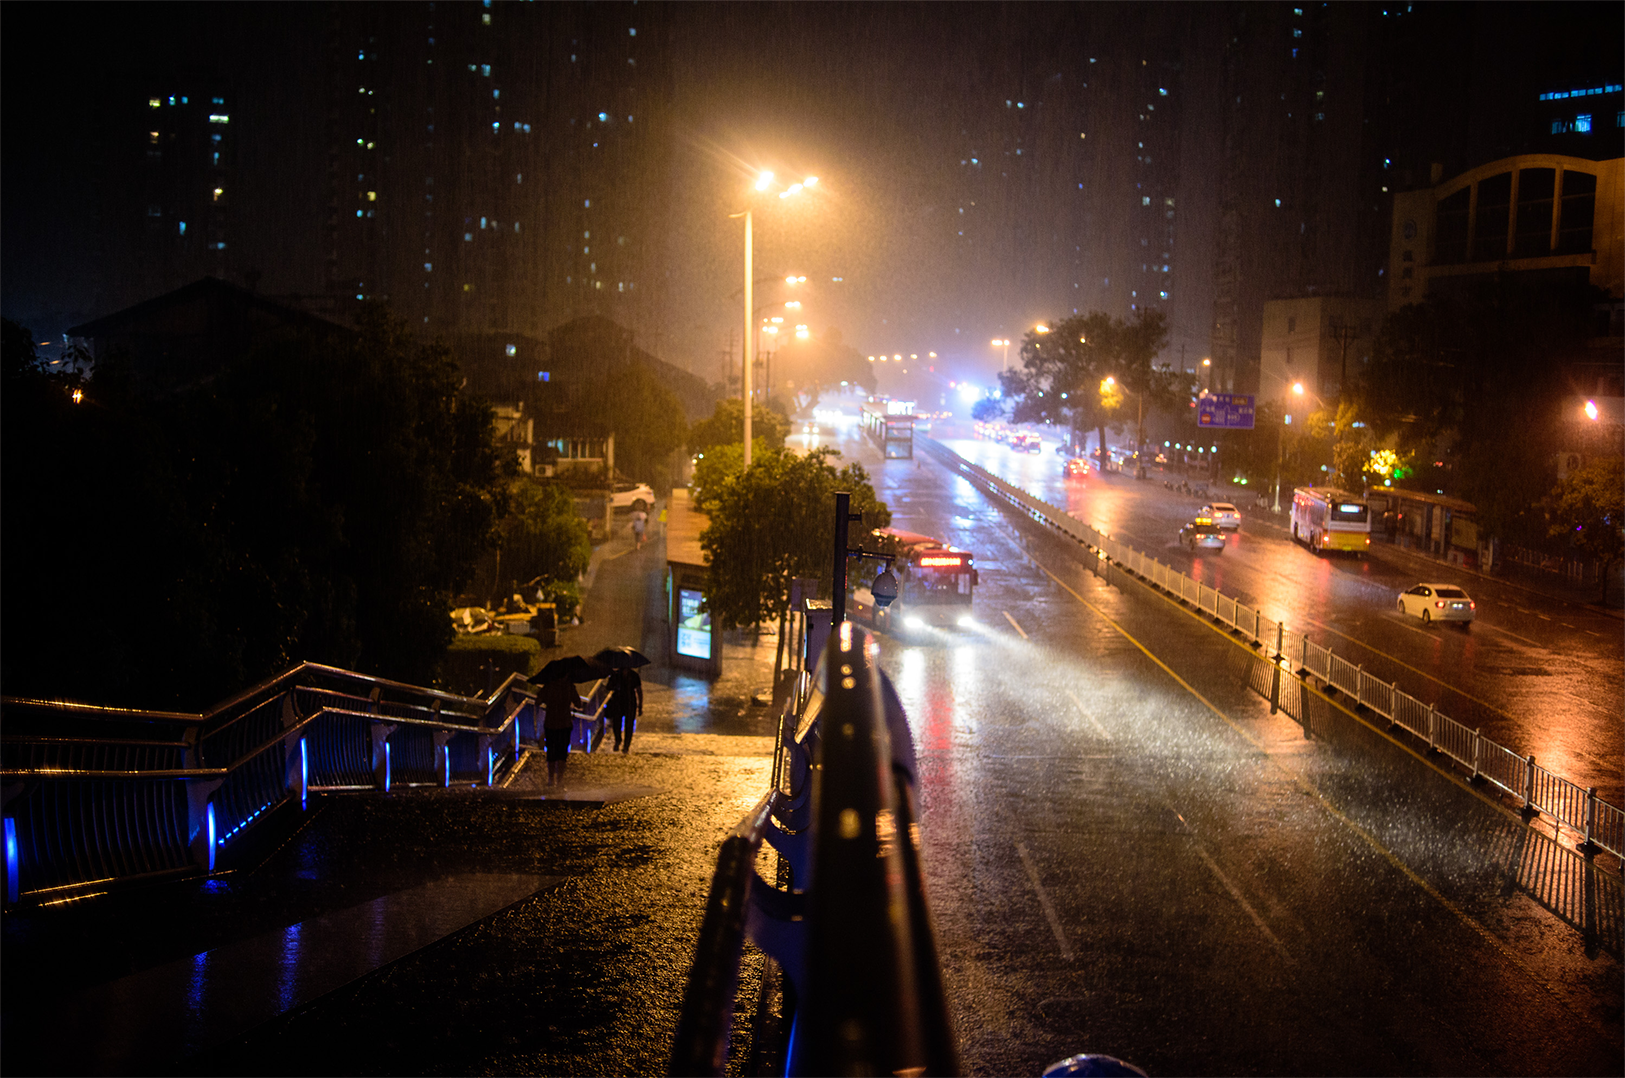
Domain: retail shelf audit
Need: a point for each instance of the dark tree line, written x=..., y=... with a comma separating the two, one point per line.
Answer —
x=316, y=499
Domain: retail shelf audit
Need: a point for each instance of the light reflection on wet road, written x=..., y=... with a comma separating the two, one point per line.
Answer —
x=1534, y=674
x=1120, y=866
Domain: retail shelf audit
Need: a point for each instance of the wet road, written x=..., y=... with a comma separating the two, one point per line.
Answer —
x=1538, y=675
x=1128, y=854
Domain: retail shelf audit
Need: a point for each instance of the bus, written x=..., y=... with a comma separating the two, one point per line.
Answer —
x=1325, y=518
x=935, y=583
x=890, y=425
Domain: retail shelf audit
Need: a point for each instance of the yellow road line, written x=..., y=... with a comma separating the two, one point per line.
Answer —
x=1462, y=915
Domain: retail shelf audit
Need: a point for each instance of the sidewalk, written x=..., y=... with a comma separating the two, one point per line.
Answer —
x=624, y=602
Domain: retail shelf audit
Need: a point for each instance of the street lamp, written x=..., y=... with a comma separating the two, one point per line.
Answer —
x=1003, y=342
x=1139, y=426
x=763, y=182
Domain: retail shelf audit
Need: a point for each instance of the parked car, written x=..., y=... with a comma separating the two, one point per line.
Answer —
x=1438, y=602
x=629, y=495
x=1202, y=534
x=1075, y=467
x=1223, y=514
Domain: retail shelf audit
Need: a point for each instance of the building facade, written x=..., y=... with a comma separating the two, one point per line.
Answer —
x=1535, y=213
x=1318, y=342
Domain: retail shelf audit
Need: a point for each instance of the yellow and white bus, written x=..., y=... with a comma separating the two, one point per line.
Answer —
x=1325, y=518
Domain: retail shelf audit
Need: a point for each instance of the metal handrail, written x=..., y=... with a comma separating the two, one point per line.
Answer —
x=855, y=936
x=73, y=823
x=1568, y=804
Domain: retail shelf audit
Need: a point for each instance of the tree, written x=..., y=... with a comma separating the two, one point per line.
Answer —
x=542, y=535
x=1588, y=509
x=1094, y=370
x=987, y=409
x=312, y=499
x=647, y=418
x=726, y=426
x=773, y=522
x=1451, y=377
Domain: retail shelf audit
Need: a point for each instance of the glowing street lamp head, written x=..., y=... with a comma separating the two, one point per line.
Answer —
x=810, y=181
x=1041, y=328
x=1297, y=387
x=793, y=279
x=1207, y=363
x=803, y=333
x=1591, y=410
x=1108, y=382
x=764, y=181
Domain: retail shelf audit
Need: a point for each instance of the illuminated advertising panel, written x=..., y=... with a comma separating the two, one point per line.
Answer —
x=693, y=625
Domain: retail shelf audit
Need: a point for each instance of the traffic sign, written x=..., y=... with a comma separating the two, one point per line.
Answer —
x=1231, y=411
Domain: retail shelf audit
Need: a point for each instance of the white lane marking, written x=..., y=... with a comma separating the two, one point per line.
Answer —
x=1515, y=636
x=1236, y=894
x=1094, y=721
x=1591, y=631
x=1013, y=624
x=1043, y=900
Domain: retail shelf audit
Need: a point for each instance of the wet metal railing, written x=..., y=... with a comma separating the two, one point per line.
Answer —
x=95, y=796
x=1598, y=823
x=852, y=931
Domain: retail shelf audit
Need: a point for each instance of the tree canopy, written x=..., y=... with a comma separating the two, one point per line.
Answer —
x=647, y=418
x=773, y=522
x=542, y=535
x=1451, y=377
x=313, y=499
x=726, y=426
x=1587, y=510
x=1064, y=372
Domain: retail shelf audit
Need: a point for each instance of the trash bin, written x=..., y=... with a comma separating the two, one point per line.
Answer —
x=545, y=625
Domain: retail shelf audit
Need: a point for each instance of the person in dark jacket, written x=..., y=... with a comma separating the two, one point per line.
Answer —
x=560, y=701
x=624, y=706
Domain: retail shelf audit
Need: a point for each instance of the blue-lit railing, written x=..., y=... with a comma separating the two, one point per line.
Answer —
x=97, y=796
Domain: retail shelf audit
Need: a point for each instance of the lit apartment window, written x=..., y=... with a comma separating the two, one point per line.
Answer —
x=183, y=232
x=153, y=103
x=372, y=196
x=218, y=191
x=152, y=137
x=513, y=350
x=222, y=118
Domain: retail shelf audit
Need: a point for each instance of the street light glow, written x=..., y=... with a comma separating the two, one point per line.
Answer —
x=1591, y=410
x=1297, y=387
x=1041, y=328
x=764, y=181
x=810, y=181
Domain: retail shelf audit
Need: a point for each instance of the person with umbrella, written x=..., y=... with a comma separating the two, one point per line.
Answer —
x=560, y=700
x=625, y=702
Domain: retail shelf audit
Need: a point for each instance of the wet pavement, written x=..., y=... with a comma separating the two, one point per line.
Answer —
x=516, y=930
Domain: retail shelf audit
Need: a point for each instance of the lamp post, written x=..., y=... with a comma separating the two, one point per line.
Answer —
x=1003, y=342
x=1139, y=425
x=763, y=182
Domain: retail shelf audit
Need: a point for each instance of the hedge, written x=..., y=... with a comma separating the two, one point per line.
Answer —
x=506, y=653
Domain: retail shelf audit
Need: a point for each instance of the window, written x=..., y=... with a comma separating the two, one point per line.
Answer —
x=152, y=137
x=1579, y=207
x=222, y=118
x=183, y=232
x=1582, y=124
x=1534, y=229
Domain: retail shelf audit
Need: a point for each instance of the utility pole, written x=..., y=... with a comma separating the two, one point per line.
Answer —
x=1344, y=335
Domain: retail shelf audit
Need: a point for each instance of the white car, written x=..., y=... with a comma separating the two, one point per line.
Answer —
x=1223, y=514
x=632, y=496
x=1438, y=602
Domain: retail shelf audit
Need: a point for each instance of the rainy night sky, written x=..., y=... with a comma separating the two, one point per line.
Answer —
x=982, y=166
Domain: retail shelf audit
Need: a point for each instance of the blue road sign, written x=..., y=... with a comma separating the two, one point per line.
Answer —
x=1232, y=411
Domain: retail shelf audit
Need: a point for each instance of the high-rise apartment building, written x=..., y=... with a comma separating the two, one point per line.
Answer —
x=497, y=167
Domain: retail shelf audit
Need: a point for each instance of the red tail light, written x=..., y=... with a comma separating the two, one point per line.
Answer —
x=1437, y=602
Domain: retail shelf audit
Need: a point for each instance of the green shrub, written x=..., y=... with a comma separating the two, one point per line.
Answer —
x=565, y=595
x=503, y=653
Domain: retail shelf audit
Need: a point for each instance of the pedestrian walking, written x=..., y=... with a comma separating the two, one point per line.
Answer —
x=560, y=700
x=624, y=706
x=640, y=521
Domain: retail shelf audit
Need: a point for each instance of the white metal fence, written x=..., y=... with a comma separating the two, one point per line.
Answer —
x=1538, y=790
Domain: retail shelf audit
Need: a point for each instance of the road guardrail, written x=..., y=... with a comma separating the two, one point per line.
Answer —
x=1596, y=822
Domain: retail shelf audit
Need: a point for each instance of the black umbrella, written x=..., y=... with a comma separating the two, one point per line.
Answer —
x=620, y=658
x=570, y=668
